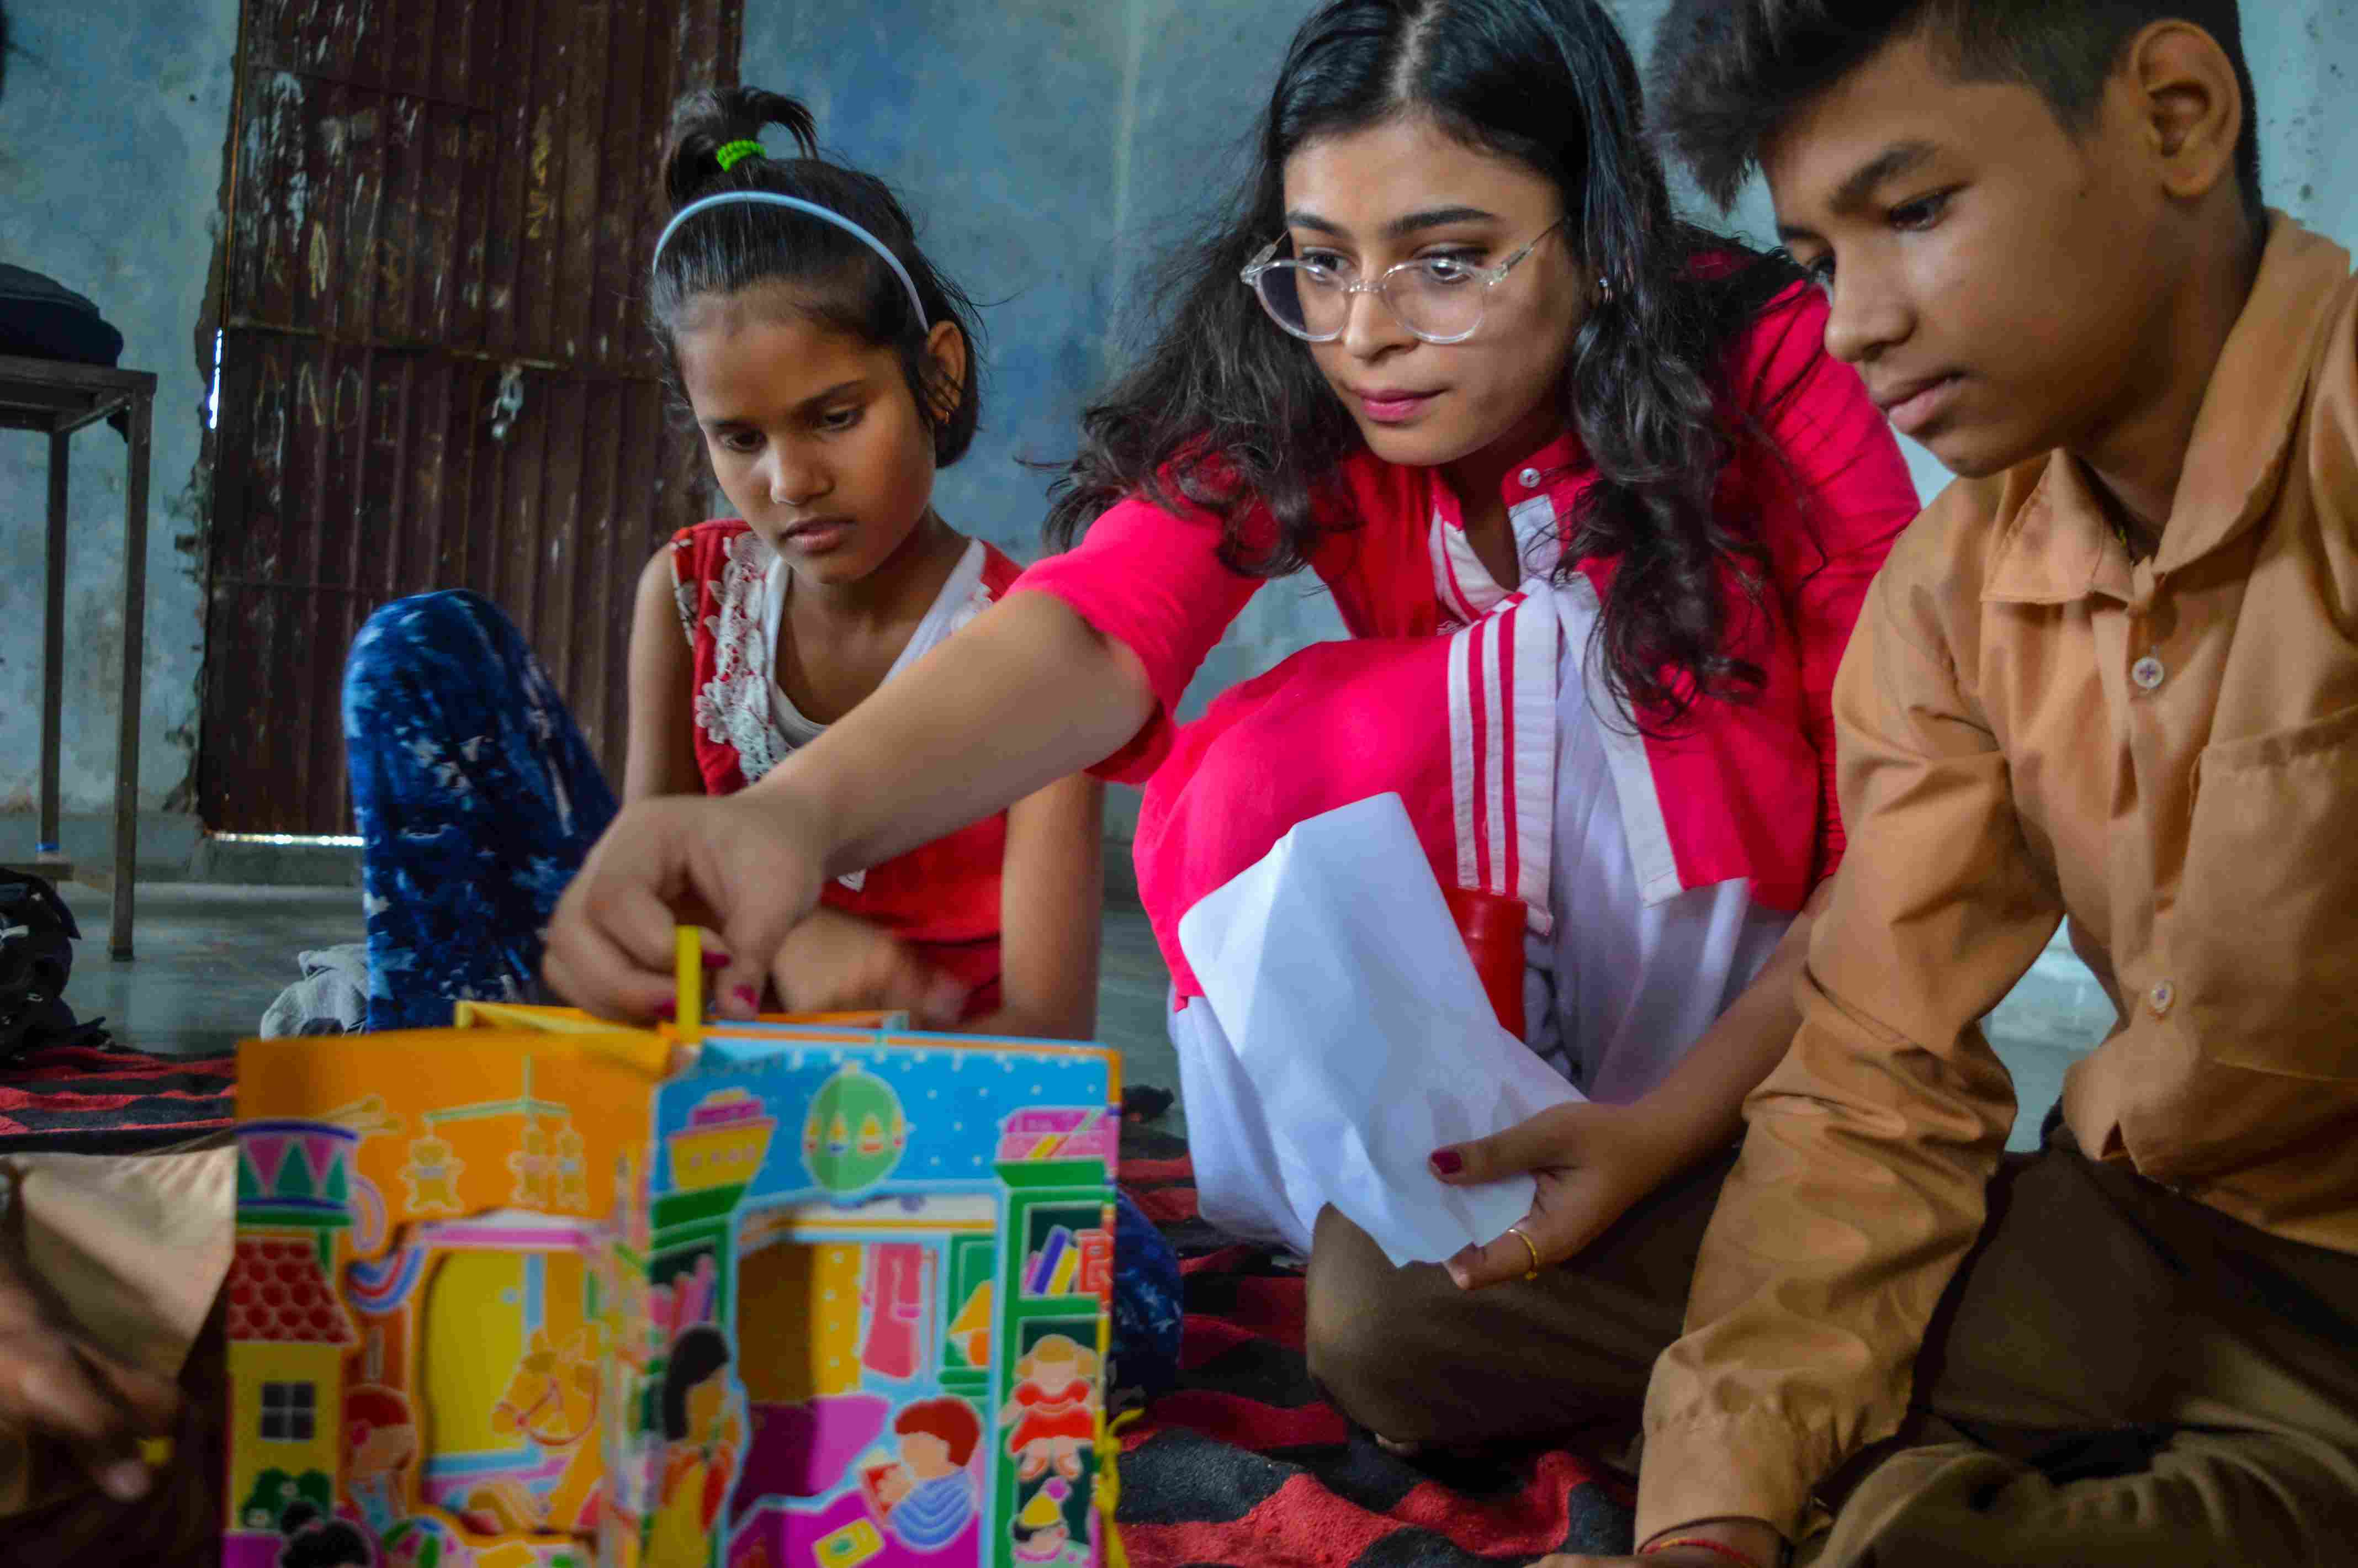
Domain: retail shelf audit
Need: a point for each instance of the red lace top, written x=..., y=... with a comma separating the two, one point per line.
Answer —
x=942, y=898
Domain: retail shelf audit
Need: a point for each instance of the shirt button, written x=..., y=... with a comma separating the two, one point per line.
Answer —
x=2147, y=672
x=1529, y=477
x=2160, y=997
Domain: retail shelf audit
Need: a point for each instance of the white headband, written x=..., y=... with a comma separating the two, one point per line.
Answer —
x=767, y=200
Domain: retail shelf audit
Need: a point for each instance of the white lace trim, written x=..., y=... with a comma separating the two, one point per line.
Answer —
x=743, y=706
x=963, y=597
x=732, y=706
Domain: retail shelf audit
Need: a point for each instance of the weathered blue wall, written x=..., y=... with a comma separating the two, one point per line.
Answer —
x=998, y=126
x=1205, y=76
x=111, y=137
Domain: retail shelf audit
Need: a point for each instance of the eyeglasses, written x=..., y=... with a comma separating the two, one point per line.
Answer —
x=1438, y=298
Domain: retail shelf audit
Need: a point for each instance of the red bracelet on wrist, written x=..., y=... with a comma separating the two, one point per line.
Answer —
x=1711, y=1546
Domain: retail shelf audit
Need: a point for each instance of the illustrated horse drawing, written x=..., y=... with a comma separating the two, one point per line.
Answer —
x=553, y=1400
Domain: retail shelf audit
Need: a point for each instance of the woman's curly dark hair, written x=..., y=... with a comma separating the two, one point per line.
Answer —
x=1230, y=415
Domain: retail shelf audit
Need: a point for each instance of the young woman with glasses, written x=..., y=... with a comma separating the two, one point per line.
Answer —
x=1598, y=513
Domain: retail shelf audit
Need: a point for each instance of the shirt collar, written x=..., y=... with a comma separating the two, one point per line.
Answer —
x=2060, y=546
x=1544, y=471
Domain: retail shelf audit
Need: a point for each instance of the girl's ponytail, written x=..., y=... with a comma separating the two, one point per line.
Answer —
x=711, y=119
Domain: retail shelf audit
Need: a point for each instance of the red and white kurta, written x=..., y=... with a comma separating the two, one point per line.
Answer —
x=1655, y=871
x=942, y=898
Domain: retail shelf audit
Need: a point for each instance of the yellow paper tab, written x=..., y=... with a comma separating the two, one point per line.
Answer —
x=689, y=1019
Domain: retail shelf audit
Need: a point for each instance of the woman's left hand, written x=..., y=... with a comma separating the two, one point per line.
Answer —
x=1591, y=1162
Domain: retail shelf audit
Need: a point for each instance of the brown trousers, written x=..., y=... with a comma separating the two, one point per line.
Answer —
x=2117, y=1375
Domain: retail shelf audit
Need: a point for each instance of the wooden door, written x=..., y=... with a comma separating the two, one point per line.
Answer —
x=433, y=204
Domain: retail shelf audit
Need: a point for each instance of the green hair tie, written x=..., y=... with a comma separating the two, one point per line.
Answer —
x=731, y=153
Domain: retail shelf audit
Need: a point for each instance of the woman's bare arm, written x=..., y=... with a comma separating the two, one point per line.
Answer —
x=1026, y=695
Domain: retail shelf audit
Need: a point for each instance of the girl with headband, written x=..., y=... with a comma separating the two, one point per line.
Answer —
x=1600, y=513
x=832, y=370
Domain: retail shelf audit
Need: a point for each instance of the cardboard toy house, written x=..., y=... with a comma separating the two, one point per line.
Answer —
x=512, y=1293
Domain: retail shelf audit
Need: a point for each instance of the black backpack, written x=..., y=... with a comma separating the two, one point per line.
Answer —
x=37, y=937
x=41, y=318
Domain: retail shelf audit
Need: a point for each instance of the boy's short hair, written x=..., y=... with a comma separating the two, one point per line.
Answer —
x=1729, y=74
x=951, y=1420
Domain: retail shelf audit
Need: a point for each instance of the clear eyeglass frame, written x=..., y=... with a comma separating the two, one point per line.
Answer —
x=1267, y=261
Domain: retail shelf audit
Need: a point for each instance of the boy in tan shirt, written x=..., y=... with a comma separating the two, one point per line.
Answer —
x=2111, y=673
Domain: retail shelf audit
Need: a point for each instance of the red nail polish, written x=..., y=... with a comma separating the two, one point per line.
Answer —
x=668, y=1011
x=749, y=999
x=1448, y=1162
x=715, y=960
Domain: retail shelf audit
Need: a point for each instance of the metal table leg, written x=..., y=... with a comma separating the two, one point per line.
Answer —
x=53, y=642
x=135, y=631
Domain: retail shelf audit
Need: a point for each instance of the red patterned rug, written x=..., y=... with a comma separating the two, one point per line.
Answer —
x=1246, y=1464
x=105, y=1100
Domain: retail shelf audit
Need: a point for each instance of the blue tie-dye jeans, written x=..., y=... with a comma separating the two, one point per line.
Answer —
x=477, y=800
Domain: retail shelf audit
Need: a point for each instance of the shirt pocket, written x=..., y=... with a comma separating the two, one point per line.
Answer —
x=2264, y=953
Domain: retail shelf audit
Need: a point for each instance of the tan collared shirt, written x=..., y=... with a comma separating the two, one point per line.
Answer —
x=2033, y=726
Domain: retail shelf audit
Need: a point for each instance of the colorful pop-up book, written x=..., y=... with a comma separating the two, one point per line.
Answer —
x=527, y=1291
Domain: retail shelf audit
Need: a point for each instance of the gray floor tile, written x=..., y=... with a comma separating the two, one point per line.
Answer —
x=210, y=958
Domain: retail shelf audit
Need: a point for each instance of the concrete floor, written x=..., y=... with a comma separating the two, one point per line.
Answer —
x=212, y=956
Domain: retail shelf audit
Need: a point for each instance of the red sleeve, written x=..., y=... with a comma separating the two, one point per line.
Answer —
x=1834, y=494
x=999, y=571
x=1151, y=579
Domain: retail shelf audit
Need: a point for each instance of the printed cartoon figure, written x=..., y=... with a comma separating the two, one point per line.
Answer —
x=703, y=1438
x=1041, y=1532
x=552, y=1400
x=432, y=1175
x=927, y=1498
x=531, y=1165
x=1054, y=1407
x=380, y=1447
x=572, y=1180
